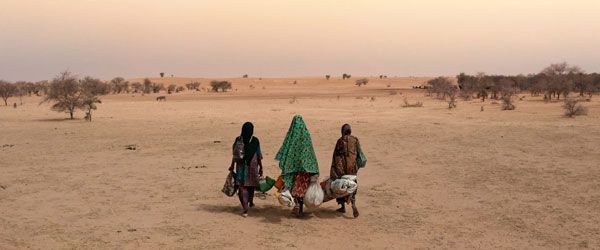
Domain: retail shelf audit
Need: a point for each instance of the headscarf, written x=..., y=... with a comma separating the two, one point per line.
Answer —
x=346, y=129
x=297, y=153
x=251, y=143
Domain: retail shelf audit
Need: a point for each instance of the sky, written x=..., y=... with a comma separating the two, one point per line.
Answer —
x=274, y=38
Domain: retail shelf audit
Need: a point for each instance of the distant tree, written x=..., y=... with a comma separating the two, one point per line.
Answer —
x=245, y=76
x=137, y=87
x=222, y=85
x=7, y=90
x=65, y=92
x=451, y=91
x=362, y=81
x=157, y=87
x=171, y=88
x=147, y=86
x=119, y=85
x=91, y=95
x=94, y=86
x=345, y=76
x=327, y=77
x=439, y=86
x=21, y=90
x=162, y=74
x=559, y=78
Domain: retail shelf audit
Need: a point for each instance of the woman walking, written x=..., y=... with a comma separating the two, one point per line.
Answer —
x=247, y=158
x=347, y=159
x=297, y=161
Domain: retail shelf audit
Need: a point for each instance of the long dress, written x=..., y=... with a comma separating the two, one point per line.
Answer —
x=247, y=173
x=344, y=157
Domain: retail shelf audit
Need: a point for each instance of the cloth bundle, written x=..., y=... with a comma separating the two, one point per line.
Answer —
x=339, y=188
x=285, y=198
x=314, y=194
x=229, y=187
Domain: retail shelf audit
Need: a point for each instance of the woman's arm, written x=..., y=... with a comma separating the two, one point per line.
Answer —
x=231, y=166
x=259, y=159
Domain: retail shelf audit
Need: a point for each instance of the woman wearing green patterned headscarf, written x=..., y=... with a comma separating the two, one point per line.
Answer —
x=297, y=160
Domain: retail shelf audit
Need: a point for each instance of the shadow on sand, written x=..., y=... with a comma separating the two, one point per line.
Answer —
x=271, y=213
x=56, y=119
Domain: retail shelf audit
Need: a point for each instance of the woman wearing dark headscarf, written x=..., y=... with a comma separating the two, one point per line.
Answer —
x=248, y=165
x=347, y=159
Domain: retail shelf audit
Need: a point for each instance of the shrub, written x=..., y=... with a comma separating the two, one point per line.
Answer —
x=157, y=87
x=245, y=76
x=179, y=89
x=147, y=86
x=573, y=108
x=222, y=85
x=171, y=88
x=327, y=77
x=7, y=90
x=507, y=103
x=362, y=81
x=407, y=104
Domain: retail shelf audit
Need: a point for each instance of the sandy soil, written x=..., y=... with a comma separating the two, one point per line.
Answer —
x=436, y=178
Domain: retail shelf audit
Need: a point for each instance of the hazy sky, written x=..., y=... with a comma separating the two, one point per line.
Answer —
x=130, y=38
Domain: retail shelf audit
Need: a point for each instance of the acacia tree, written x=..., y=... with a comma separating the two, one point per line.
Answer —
x=119, y=85
x=7, y=90
x=65, y=92
x=147, y=86
x=92, y=88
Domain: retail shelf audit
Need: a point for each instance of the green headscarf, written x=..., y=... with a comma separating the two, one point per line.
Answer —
x=297, y=153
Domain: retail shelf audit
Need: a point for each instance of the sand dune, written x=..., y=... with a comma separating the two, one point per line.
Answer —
x=436, y=178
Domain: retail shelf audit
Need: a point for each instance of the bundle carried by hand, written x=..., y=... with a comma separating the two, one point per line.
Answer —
x=339, y=188
x=314, y=194
x=285, y=198
x=229, y=187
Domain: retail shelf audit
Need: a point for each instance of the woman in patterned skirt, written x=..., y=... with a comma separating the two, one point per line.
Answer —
x=297, y=161
x=248, y=166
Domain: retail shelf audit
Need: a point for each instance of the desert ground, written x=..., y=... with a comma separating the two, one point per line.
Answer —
x=435, y=178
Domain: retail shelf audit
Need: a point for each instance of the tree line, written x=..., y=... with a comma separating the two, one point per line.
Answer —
x=68, y=93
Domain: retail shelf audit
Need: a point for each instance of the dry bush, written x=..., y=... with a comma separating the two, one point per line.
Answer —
x=346, y=76
x=394, y=92
x=362, y=81
x=573, y=107
x=179, y=89
x=507, y=103
x=327, y=77
x=7, y=90
x=245, y=76
x=171, y=88
x=293, y=100
x=372, y=98
x=407, y=104
x=222, y=85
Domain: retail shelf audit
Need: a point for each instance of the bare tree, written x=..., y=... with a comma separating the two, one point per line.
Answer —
x=137, y=87
x=171, y=88
x=65, y=92
x=90, y=96
x=147, y=86
x=7, y=90
x=119, y=85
